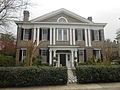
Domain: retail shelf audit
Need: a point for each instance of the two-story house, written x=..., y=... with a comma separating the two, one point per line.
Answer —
x=61, y=34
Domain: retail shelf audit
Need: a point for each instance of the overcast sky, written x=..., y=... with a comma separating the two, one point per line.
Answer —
x=102, y=11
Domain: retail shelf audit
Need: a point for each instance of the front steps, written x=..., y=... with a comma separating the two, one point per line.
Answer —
x=71, y=77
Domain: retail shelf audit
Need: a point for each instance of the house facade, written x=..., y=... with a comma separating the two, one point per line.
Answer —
x=61, y=36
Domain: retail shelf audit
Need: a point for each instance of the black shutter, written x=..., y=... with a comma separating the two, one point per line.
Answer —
x=40, y=37
x=85, y=56
x=22, y=33
x=20, y=55
x=92, y=35
x=30, y=34
x=100, y=35
x=76, y=35
x=78, y=55
x=40, y=52
x=94, y=53
x=48, y=34
x=83, y=34
x=48, y=56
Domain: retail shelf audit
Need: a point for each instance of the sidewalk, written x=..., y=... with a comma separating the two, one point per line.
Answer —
x=70, y=87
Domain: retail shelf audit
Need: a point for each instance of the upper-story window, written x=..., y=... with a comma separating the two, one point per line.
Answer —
x=79, y=33
x=44, y=34
x=62, y=19
x=62, y=34
x=26, y=34
x=96, y=35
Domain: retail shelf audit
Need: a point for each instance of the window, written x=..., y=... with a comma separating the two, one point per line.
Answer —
x=44, y=34
x=81, y=56
x=62, y=34
x=97, y=54
x=59, y=34
x=65, y=35
x=26, y=34
x=43, y=52
x=62, y=19
x=96, y=35
x=24, y=54
x=79, y=34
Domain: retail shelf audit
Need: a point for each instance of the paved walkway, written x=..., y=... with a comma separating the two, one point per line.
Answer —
x=71, y=87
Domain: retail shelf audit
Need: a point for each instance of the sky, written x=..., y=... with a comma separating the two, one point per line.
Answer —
x=102, y=11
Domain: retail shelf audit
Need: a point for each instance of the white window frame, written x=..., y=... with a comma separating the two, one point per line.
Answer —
x=99, y=52
x=23, y=57
x=43, y=49
x=81, y=61
x=62, y=29
x=58, y=20
x=24, y=33
x=81, y=32
x=42, y=34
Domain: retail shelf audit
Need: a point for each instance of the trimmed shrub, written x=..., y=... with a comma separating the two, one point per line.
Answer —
x=32, y=76
x=7, y=61
x=97, y=74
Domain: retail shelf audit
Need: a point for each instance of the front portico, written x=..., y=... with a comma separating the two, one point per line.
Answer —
x=63, y=55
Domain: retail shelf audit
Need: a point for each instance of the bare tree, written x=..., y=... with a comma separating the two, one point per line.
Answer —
x=10, y=8
x=31, y=49
x=107, y=51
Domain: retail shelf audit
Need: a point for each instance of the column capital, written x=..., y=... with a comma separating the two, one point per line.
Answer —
x=50, y=50
x=54, y=50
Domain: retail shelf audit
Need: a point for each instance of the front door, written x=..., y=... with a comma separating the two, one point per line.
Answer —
x=63, y=59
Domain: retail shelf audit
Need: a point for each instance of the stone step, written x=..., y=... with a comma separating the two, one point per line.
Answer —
x=71, y=77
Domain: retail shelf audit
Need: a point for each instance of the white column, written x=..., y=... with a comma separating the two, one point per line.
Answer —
x=67, y=60
x=70, y=36
x=38, y=36
x=86, y=38
x=58, y=60
x=89, y=37
x=50, y=36
x=54, y=53
x=50, y=57
x=22, y=55
x=99, y=54
x=73, y=36
x=76, y=53
x=54, y=36
x=34, y=34
x=72, y=58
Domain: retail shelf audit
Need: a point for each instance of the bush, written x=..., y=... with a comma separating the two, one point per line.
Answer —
x=7, y=61
x=32, y=76
x=96, y=74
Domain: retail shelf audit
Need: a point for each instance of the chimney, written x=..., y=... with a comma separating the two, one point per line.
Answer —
x=26, y=15
x=89, y=18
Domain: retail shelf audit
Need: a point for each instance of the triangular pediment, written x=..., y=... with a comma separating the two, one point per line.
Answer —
x=55, y=15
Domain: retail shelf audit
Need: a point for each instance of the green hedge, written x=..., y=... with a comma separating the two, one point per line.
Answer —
x=32, y=76
x=7, y=61
x=96, y=74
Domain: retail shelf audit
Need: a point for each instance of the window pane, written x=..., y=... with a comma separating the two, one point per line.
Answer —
x=26, y=35
x=65, y=35
x=59, y=34
x=96, y=33
x=44, y=33
x=81, y=56
x=80, y=34
x=44, y=52
x=24, y=54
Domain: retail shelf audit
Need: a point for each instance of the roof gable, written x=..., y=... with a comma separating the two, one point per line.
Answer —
x=72, y=17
